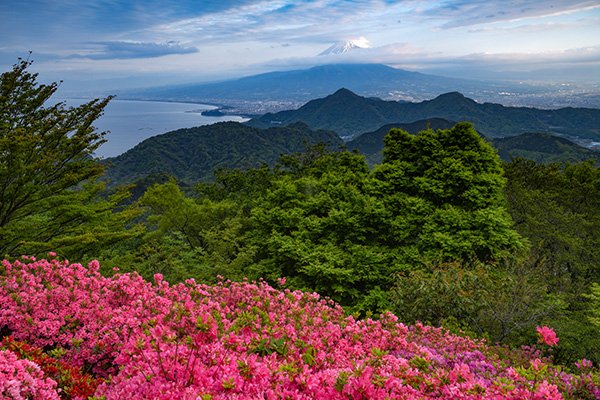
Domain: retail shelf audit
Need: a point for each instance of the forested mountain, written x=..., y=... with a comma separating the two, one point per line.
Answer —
x=193, y=154
x=538, y=146
x=370, y=144
x=351, y=115
x=306, y=84
x=543, y=148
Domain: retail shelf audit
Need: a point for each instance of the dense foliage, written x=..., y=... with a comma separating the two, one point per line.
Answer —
x=425, y=234
x=556, y=207
x=449, y=183
x=193, y=154
x=45, y=156
x=244, y=341
x=328, y=224
x=439, y=232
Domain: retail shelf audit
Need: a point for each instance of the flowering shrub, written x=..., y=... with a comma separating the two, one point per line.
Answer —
x=22, y=379
x=71, y=382
x=248, y=341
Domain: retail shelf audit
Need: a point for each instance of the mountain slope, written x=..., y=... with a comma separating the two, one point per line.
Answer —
x=343, y=112
x=346, y=47
x=371, y=144
x=350, y=115
x=543, y=148
x=193, y=154
x=538, y=146
x=306, y=84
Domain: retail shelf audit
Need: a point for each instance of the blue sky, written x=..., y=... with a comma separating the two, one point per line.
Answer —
x=148, y=42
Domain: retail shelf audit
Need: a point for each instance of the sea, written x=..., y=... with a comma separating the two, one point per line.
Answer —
x=130, y=122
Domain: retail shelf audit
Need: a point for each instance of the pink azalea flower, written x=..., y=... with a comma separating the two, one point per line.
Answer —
x=244, y=340
x=537, y=364
x=584, y=363
x=547, y=335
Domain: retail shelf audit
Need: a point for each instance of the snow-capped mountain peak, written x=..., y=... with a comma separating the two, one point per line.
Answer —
x=345, y=47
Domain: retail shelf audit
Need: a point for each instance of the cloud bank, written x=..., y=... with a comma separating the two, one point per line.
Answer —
x=126, y=50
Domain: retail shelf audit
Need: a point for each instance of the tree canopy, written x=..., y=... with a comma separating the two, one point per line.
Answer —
x=444, y=194
x=46, y=154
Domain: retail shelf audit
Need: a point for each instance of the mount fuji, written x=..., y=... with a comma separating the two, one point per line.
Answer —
x=347, y=46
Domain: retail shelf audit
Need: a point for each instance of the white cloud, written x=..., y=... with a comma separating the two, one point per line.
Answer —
x=130, y=49
x=225, y=38
x=475, y=12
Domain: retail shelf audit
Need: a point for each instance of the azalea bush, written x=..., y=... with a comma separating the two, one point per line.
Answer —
x=70, y=381
x=23, y=379
x=250, y=340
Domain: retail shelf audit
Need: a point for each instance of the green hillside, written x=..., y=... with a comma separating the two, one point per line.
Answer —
x=543, y=148
x=371, y=144
x=539, y=147
x=193, y=154
x=350, y=115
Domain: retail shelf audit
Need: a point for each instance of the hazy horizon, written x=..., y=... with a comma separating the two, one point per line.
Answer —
x=106, y=45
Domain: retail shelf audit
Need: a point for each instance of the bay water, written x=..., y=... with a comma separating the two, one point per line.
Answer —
x=129, y=122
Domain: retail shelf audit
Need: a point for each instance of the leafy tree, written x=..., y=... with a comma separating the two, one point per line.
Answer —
x=555, y=207
x=76, y=223
x=594, y=297
x=46, y=154
x=210, y=233
x=317, y=227
x=443, y=192
x=501, y=303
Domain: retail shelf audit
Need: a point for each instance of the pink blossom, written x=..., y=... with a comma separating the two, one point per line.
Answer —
x=547, y=335
x=536, y=364
x=244, y=340
x=584, y=363
x=23, y=379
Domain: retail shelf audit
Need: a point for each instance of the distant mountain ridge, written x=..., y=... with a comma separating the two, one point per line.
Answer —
x=305, y=84
x=543, y=148
x=193, y=154
x=537, y=146
x=350, y=115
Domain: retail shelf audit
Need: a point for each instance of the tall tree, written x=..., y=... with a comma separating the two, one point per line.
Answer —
x=317, y=227
x=443, y=191
x=46, y=150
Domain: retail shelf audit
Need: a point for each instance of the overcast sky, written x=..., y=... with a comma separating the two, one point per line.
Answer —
x=150, y=42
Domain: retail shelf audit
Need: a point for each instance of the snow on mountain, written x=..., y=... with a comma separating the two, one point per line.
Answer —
x=345, y=47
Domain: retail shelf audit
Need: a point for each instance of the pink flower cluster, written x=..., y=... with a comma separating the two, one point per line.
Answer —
x=249, y=341
x=547, y=335
x=22, y=379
